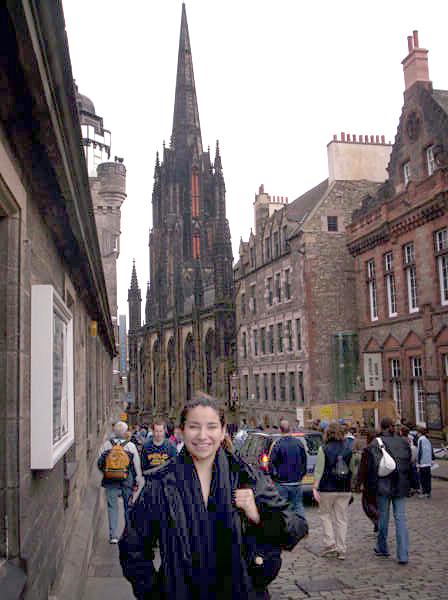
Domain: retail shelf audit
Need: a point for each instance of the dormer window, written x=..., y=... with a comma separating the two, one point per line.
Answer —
x=407, y=172
x=430, y=161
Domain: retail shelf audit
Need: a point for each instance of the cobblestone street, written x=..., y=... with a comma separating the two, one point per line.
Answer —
x=306, y=575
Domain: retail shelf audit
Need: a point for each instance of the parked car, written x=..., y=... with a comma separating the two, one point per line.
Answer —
x=257, y=447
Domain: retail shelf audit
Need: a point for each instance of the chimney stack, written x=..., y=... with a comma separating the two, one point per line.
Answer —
x=415, y=65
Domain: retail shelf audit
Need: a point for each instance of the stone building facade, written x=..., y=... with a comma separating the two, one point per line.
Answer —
x=295, y=307
x=399, y=238
x=108, y=190
x=186, y=342
x=57, y=340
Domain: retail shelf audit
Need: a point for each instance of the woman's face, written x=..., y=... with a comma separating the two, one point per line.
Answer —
x=203, y=432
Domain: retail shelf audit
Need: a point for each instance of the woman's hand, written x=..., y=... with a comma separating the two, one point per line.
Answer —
x=316, y=495
x=245, y=500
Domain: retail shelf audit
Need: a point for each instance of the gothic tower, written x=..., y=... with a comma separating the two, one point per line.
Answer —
x=189, y=308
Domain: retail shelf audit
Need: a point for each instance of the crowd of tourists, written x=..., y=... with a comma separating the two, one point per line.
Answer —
x=221, y=524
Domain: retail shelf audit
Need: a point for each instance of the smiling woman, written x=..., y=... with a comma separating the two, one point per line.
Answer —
x=221, y=525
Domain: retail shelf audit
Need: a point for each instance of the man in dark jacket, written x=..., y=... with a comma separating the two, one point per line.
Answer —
x=287, y=467
x=392, y=489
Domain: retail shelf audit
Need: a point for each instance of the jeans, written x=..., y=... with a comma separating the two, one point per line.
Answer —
x=112, y=495
x=293, y=494
x=401, y=529
x=425, y=480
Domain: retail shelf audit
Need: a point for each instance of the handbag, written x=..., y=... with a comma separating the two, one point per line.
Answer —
x=387, y=464
x=263, y=559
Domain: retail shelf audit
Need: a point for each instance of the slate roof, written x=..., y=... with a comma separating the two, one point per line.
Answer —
x=441, y=97
x=300, y=208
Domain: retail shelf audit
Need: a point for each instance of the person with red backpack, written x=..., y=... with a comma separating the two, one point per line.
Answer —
x=119, y=461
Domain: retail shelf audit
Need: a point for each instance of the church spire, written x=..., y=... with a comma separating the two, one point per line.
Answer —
x=186, y=127
x=135, y=302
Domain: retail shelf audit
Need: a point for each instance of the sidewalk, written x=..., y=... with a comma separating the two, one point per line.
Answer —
x=442, y=471
x=105, y=578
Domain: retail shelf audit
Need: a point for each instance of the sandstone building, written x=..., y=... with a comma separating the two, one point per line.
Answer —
x=399, y=238
x=186, y=342
x=57, y=340
x=295, y=290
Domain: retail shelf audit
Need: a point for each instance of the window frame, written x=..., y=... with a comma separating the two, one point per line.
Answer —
x=372, y=289
x=332, y=223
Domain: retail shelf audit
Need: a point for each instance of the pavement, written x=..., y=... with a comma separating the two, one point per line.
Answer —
x=305, y=575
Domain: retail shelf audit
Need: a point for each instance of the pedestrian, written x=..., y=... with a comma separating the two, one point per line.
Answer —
x=391, y=489
x=287, y=467
x=332, y=490
x=366, y=485
x=414, y=477
x=119, y=462
x=157, y=449
x=350, y=437
x=424, y=462
x=220, y=523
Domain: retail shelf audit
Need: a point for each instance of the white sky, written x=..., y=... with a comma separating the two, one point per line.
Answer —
x=274, y=79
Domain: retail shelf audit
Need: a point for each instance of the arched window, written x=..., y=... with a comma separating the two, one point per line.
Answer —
x=171, y=371
x=189, y=367
x=155, y=371
x=209, y=360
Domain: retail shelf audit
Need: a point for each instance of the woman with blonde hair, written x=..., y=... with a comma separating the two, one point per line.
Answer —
x=332, y=490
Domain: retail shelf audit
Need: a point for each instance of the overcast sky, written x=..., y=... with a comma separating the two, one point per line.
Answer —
x=274, y=80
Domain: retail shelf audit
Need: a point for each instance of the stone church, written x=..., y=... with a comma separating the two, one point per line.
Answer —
x=186, y=343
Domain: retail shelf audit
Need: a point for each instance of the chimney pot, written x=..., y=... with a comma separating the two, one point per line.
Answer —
x=354, y=137
x=410, y=44
x=372, y=139
x=383, y=139
x=366, y=139
x=348, y=137
x=335, y=137
x=415, y=36
x=377, y=139
x=342, y=136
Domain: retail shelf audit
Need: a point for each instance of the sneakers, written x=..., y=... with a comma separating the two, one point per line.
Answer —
x=113, y=541
x=329, y=552
x=382, y=554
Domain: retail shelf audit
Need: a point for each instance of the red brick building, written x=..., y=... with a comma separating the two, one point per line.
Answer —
x=399, y=238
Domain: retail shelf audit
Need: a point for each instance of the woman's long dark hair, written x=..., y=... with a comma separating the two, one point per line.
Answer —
x=202, y=399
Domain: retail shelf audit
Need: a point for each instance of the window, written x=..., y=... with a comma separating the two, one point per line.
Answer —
x=411, y=276
x=442, y=264
x=406, y=173
x=263, y=340
x=246, y=387
x=267, y=248
x=257, y=387
x=269, y=291
x=279, y=337
x=396, y=384
x=430, y=161
x=273, y=387
x=265, y=387
x=282, y=382
x=390, y=284
x=271, y=339
x=253, y=299
x=255, y=332
x=278, y=288
x=276, y=244
x=244, y=344
x=253, y=259
x=287, y=284
x=285, y=238
x=243, y=305
x=52, y=390
x=292, y=387
x=301, y=388
x=332, y=223
x=289, y=334
x=299, y=334
x=371, y=283
x=418, y=390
